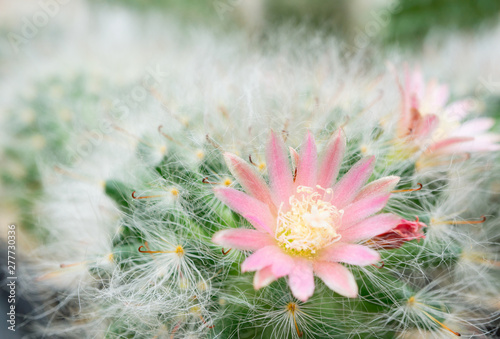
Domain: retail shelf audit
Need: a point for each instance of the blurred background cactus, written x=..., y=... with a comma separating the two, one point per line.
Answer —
x=116, y=116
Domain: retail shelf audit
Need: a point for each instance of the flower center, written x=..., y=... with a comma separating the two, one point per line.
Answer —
x=310, y=223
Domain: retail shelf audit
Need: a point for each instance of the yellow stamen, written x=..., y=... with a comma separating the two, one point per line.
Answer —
x=458, y=222
x=409, y=190
x=292, y=307
x=440, y=323
x=202, y=286
x=147, y=197
x=310, y=223
x=200, y=154
x=205, y=181
x=261, y=166
x=179, y=250
x=412, y=301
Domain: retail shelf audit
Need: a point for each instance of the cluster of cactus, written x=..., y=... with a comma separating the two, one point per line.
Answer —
x=44, y=120
x=128, y=221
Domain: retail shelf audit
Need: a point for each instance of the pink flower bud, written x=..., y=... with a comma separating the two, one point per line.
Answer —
x=405, y=231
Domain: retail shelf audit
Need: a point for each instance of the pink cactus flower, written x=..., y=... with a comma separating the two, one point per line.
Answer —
x=405, y=231
x=307, y=224
x=428, y=122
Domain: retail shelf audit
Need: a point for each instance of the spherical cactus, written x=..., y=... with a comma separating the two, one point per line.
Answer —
x=257, y=194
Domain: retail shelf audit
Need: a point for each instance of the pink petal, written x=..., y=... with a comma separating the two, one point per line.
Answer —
x=259, y=224
x=243, y=239
x=281, y=264
x=348, y=187
x=248, y=207
x=409, y=128
x=446, y=143
x=301, y=279
x=370, y=228
x=383, y=185
x=473, y=127
x=396, y=237
x=350, y=254
x=405, y=116
x=458, y=110
x=337, y=278
x=482, y=143
x=249, y=179
x=363, y=208
x=331, y=160
x=487, y=138
x=263, y=278
x=437, y=95
x=426, y=126
x=279, y=171
x=415, y=85
x=306, y=167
